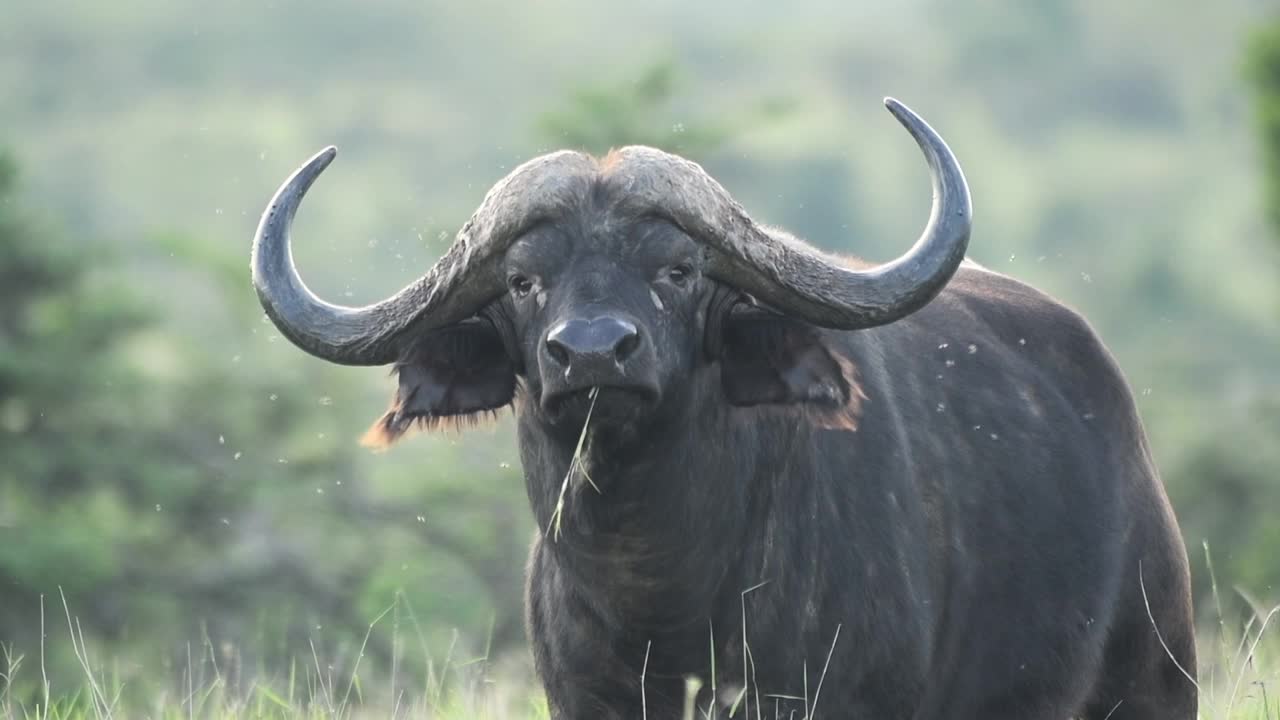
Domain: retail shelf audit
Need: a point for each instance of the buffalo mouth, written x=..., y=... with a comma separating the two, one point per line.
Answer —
x=606, y=404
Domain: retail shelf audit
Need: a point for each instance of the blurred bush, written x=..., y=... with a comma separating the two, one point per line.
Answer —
x=1264, y=73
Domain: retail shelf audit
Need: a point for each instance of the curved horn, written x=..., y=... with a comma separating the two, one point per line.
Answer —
x=801, y=281
x=464, y=280
x=793, y=276
x=825, y=291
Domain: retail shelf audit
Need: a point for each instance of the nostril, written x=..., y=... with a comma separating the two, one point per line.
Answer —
x=558, y=352
x=627, y=344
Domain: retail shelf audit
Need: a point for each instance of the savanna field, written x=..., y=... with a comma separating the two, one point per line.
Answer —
x=1238, y=680
x=189, y=526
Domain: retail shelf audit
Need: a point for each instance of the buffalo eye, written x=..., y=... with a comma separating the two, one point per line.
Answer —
x=520, y=285
x=680, y=274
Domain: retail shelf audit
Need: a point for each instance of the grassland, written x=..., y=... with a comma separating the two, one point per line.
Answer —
x=1239, y=679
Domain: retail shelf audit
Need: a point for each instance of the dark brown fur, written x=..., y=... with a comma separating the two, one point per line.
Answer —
x=978, y=548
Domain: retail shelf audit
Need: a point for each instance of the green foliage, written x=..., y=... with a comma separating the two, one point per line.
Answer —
x=113, y=482
x=1221, y=482
x=1264, y=73
x=58, y=339
x=170, y=494
x=643, y=112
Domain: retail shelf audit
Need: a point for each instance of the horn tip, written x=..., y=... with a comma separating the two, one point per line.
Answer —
x=896, y=107
x=321, y=160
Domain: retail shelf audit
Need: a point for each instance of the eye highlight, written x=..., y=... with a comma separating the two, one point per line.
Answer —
x=520, y=285
x=680, y=274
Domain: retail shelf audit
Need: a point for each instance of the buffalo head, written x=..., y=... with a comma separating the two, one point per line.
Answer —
x=636, y=274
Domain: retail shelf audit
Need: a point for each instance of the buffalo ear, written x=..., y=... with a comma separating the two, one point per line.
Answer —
x=449, y=375
x=769, y=359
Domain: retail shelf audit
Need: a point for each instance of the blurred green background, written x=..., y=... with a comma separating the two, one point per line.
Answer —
x=192, y=483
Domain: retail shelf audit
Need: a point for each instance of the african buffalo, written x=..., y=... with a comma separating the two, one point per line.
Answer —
x=911, y=490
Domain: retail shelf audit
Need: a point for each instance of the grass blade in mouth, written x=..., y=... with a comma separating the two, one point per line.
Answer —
x=574, y=464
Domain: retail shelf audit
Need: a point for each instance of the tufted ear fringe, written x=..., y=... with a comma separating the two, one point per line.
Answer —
x=781, y=365
x=846, y=407
x=839, y=408
x=456, y=377
x=394, y=425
